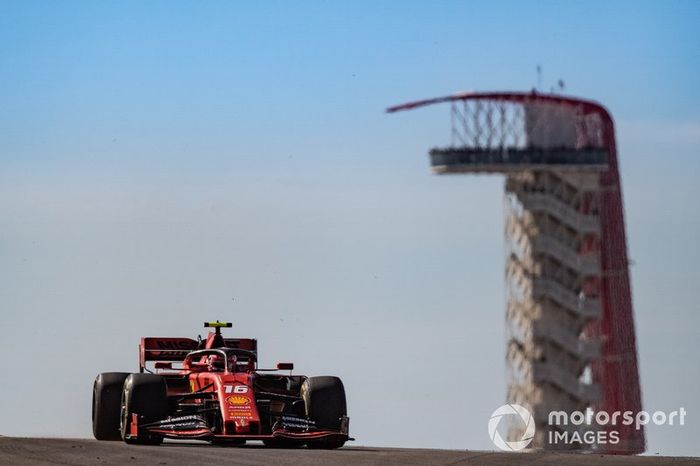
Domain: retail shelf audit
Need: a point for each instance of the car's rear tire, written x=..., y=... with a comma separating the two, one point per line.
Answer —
x=146, y=396
x=324, y=398
x=106, y=405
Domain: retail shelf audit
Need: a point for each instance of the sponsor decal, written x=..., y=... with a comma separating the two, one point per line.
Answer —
x=193, y=417
x=239, y=408
x=237, y=400
x=179, y=423
x=175, y=344
x=294, y=423
x=170, y=348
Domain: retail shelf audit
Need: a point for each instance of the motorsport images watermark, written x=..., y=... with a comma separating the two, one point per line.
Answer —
x=590, y=427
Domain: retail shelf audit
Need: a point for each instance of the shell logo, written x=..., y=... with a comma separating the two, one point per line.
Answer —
x=237, y=400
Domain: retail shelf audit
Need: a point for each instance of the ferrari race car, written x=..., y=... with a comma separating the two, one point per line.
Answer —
x=217, y=393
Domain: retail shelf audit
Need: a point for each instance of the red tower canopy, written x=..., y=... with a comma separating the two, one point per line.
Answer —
x=505, y=132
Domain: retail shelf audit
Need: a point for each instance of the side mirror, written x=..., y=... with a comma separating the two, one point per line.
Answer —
x=285, y=366
x=164, y=365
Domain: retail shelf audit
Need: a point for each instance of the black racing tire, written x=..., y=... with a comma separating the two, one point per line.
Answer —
x=146, y=396
x=106, y=405
x=324, y=399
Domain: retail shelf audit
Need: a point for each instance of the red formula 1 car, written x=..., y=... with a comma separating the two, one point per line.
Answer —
x=217, y=394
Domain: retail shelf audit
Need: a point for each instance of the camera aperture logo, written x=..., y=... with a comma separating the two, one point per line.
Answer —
x=511, y=410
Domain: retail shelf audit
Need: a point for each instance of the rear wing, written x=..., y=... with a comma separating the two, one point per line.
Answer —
x=175, y=348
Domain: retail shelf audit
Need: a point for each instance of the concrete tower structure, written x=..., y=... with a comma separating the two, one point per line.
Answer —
x=571, y=340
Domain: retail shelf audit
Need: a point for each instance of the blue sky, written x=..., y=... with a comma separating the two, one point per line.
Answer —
x=162, y=163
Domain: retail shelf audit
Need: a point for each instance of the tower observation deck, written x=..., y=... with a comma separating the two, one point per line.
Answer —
x=570, y=329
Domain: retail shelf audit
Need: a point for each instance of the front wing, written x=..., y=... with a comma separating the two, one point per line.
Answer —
x=196, y=427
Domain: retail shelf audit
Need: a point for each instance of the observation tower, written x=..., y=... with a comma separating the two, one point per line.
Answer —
x=570, y=329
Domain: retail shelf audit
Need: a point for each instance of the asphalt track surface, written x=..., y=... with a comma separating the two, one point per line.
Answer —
x=37, y=451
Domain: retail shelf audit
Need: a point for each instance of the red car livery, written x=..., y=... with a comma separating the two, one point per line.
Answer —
x=217, y=393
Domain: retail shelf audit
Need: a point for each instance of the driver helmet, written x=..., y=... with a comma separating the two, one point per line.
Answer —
x=215, y=362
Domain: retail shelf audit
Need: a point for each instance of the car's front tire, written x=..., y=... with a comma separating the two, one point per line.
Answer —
x=324, y=398
x=146, y=396
x=106, y=405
